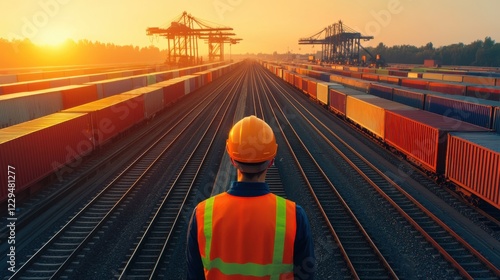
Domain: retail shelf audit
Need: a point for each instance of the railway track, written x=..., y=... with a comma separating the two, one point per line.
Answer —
x=362, y=256
x=145, y=262
x=470, y=263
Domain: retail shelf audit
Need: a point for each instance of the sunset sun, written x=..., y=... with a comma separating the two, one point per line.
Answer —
x=53, y=36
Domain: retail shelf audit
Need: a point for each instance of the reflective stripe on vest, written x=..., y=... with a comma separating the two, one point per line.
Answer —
x=249, y=269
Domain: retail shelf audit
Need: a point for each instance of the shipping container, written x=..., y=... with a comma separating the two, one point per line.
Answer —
x=153, y=99
x=477, y=80
x=433, y=76
x=368, y=111
x=173, y=90
x=20, y=107
x=13, y=88
x=312, y=88
x=79, y=80
x=394, y=80
x=76, y=95
x=31, y=76
x=338, y=99
x=357, y=84
x=414, y=75
x=489, y=93
x=38, y=148
x=496, y=120
x=112, y=115
x=8, y=79
x=110, y=87
x=370, y=77
x=468, y=109
x=448, y=88
x=323, y=89
x=473, y=163
x=453, y=78
x=415, y=83
x=422, y=135
x=381, y=90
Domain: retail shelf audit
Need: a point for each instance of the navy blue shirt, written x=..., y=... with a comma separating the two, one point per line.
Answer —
x=303, y=259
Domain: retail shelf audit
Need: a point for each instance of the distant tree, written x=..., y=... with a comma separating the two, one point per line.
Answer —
x=477, y=53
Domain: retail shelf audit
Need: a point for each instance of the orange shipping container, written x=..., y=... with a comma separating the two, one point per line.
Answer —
x=369, y=111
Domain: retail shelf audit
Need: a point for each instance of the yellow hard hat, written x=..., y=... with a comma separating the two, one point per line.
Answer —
x=251, y=140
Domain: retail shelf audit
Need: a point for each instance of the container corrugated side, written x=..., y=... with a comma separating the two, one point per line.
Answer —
x=112, y=115
x=381, y=90
x=369, y=112
x=484, y=92
x=422, y=135
x=415, y=83
x=448, y=88
x=478, y=80
x=37, y=148
x=77, y=95
x=411, y=97
x=21, y=107
x=110, y=87
x=312, y=88
x=153, y=99
x=468, y=109
x=173, y=90
x=496, y=120
x=473, y=163
x=453, y=78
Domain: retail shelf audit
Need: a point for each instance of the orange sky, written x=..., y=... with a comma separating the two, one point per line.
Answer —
x=264, y=26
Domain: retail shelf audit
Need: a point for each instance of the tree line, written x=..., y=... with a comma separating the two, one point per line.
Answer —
x=478, y=53
x=24, y=53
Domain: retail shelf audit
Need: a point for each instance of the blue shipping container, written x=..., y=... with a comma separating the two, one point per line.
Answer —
x=472, y=110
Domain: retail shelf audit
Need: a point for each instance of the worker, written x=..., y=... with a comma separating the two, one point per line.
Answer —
x=248, y=232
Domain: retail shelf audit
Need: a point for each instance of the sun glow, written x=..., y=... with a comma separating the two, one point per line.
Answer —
x=53, y=36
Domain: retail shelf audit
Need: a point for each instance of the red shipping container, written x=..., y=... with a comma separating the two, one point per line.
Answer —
x=370, y=77
x=38, y=148
x=77, y=95
x=312, y=89
x=489, y=93
x=25, y=77
x=473, y=163
x=173, y=90
x=422, y=135
x=38, y=85
x=13, y=88
x=112, y=115
x=455, y=89
x=415, y=83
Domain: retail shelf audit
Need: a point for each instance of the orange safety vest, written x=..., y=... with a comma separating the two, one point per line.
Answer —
x=246, y=237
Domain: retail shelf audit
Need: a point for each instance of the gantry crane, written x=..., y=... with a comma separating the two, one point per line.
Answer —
x=340, y=43
x=183, y=34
